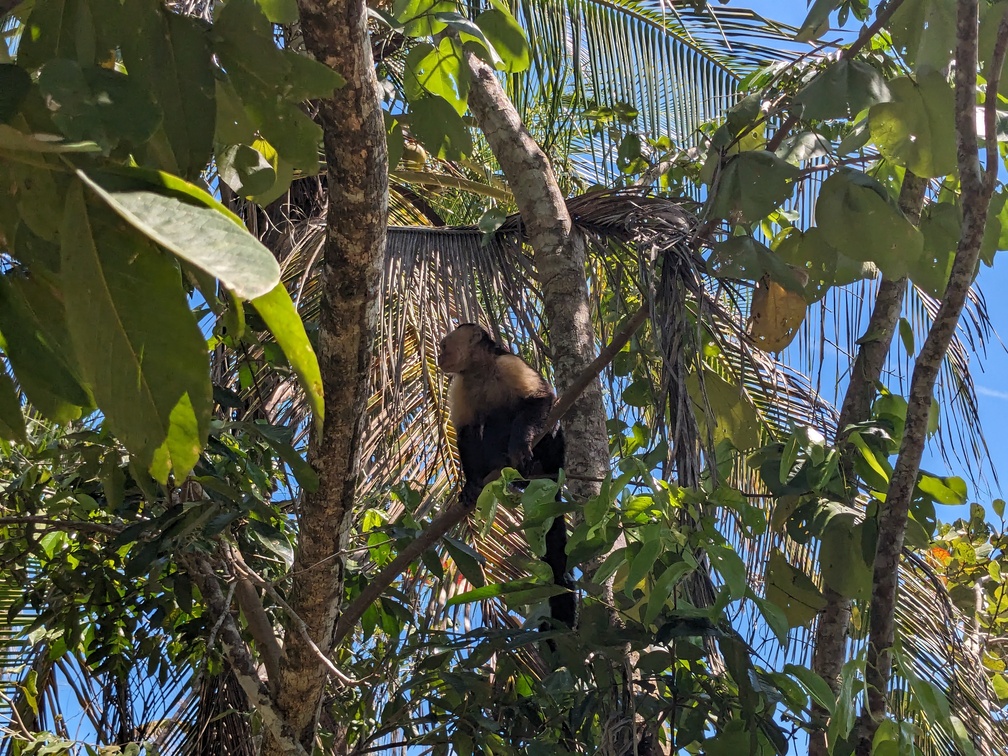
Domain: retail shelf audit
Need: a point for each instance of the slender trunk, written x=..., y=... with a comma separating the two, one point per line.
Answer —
x=335, y=33
x=560, y=262
x=830, y=649
x=977, y=187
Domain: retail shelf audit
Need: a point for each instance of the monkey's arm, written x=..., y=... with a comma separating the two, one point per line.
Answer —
x=528, y=423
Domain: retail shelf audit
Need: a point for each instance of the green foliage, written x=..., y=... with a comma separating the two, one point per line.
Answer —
x=123, y=114
x=113, y=241
x=107, y=547
x=915, y=129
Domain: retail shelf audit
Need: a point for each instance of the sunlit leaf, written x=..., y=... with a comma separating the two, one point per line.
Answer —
x=186, y=220
x=278, y=312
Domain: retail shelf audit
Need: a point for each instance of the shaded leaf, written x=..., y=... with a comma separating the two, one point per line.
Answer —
x=170, y=55
x=275, y=542
x=136, y=340
x=842, y=559
x=842, y=90
x=924, y=31
x=258, y=70
x=811, y=253
x=245, y=170
x=816, y=23
x=752, y=184
x=468, y=561
x=734, y=414
x=12, y=424
x=12, y=139
x=857, y=217
x=14, y=85
x=32, y=321
x=98, y=104
x=793, y=591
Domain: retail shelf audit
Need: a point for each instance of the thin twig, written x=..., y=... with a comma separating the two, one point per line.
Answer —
x=256, y=579
x=73, y=525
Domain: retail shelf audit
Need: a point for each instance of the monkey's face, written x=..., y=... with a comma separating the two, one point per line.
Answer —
x=458, y=347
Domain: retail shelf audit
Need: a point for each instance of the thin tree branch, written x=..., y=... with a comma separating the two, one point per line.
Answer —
x=239, y=658
x=78, y=526
x=257, y=622
x=254, y=578
x=976, y=193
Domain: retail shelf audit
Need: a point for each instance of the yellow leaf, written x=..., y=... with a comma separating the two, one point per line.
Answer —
x=775, y=316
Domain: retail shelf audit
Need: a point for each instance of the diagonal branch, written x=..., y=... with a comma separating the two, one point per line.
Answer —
x=830, y=647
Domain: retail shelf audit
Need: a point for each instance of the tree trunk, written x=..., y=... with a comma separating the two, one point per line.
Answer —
x=830, y=649
x=335, y=33
x=560, y=262
x=977, y=188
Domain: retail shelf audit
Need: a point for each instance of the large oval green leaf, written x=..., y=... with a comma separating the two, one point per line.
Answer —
x=843, y=90
x=792, y=590
x=753, y=184
x=917, y=128
x=857, y=217
x=190, y=223
x=136, y=340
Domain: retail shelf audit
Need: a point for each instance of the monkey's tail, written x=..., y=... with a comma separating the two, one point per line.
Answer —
x=563, y=607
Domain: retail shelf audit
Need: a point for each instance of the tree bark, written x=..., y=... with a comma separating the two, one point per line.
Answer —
x=559, y=253
x=830, y=648
x=977, y=187
x=335, y=33
x=560, y=262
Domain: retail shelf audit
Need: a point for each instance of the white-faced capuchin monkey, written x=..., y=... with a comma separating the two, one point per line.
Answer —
x=498, y=405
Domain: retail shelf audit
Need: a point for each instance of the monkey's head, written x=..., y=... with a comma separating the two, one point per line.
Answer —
x=463, y=347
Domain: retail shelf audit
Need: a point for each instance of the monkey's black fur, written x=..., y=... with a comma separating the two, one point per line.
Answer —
x=498, y=406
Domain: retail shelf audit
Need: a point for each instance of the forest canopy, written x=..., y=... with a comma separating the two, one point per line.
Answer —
x=232, y=238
